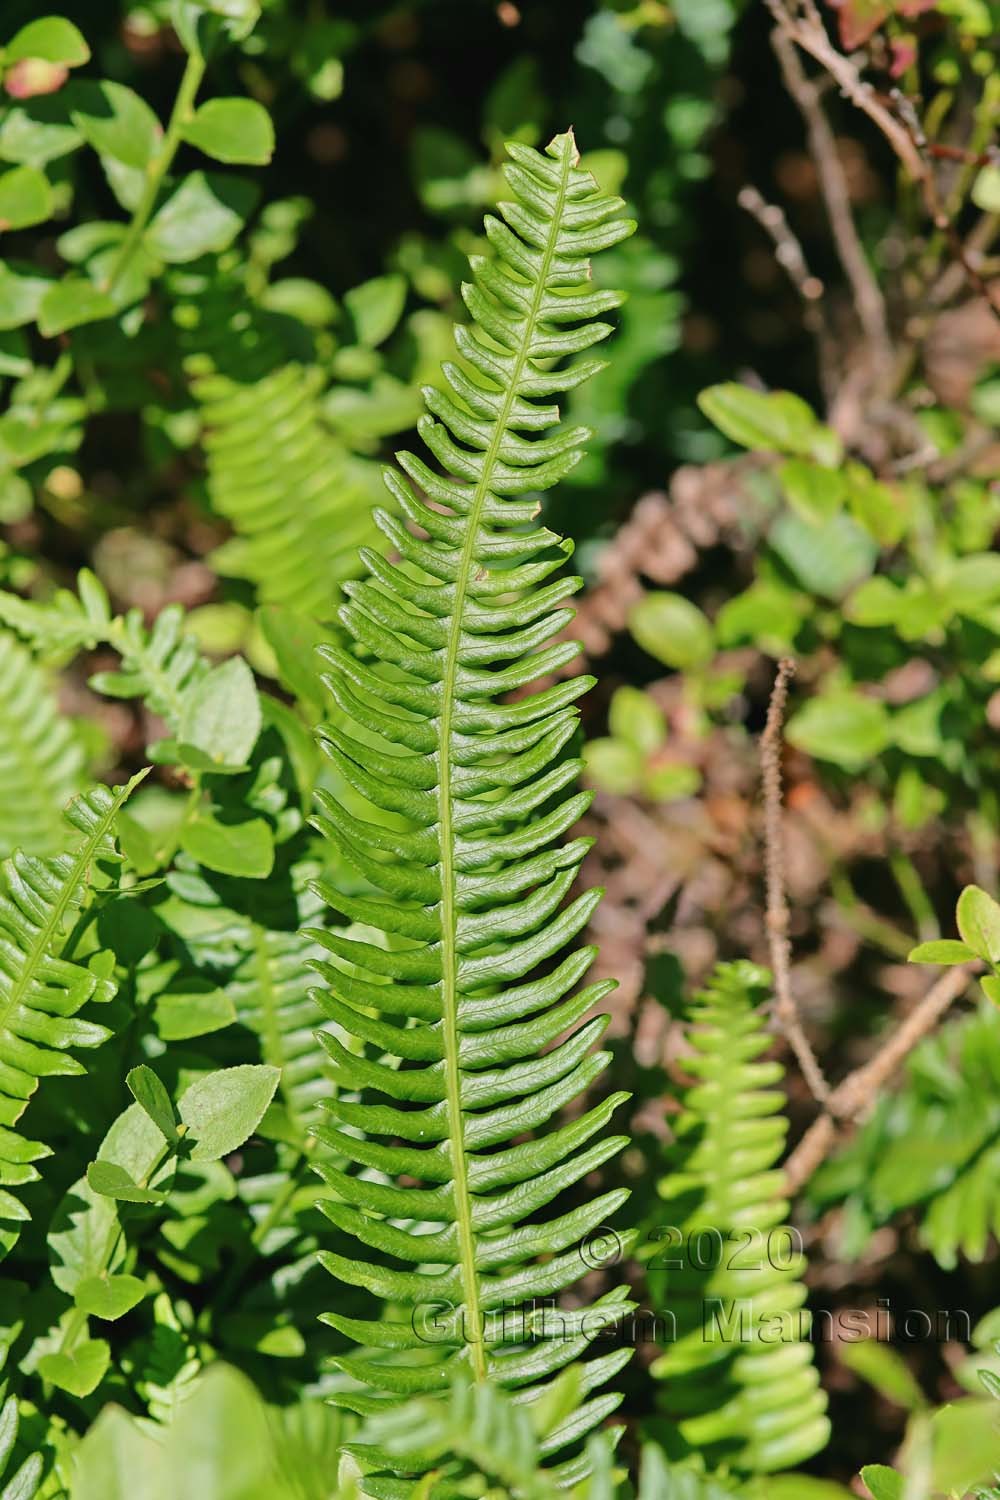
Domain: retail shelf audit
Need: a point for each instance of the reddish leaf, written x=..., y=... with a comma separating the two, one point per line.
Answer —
x=32, y=76
x=858, y=20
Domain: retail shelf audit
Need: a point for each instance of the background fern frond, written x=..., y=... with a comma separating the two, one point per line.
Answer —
x=43, y=989
x=952, y=1184
x=299, y=502
x=467, y=796
x=741, y=1384
x=41, y=761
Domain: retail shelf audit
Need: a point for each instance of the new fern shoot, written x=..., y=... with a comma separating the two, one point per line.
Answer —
x=469, y=1032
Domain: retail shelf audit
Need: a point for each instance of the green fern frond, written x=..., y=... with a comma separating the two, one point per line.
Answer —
x=459, y=1011
x=476, y=1440
x=952, y=1184
x=299, y=502
x=741, y=1384
x=41, y=989
x=41, y=762
x=161, y=663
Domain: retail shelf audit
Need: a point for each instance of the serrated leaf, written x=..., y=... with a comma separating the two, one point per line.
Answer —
x=238, y=131
x=151, y=1095
x=25, y=198
x=978, y=918
x=223, y=1109
x=203, y=215
x=245, y=848
x=79, y=1372
x=109, y=1297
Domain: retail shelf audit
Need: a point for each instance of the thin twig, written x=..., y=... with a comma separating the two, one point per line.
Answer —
x=791, y=258
x=851, y=1098
x=785, y=1009
x=837, y=199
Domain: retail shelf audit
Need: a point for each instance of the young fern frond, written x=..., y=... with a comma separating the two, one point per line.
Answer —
x=41, y=990
x=466, y=1001
x=741, y=1384
x=41, y=763
x=299, y=502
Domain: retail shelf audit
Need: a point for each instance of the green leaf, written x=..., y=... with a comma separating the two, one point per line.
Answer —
x=222, y=715
x=634, y=718
x=70, y=303
x=79, y=1372
x=25, y=198
x=842, y=727
x=117, y=1460
x=196, y=1008
x=966, y=1445
x=116, y=122
x=827, y=560
x=232, y=130
x=294, y=639
x=940, y=951
x=775, y=421
x=612, y=766
x=222, y=1110
x=885, y=1369
x=979, y=923
x=816, y=493
x=112, y=1181
x=204, y=214
x=21, y=296
x=109, y=1297
x=991, y=989
x=148, y=1092
x=375, y=308
x=245, y=848
x=986, y=190
x=672, y=629
x=38, y=131
x=884, y=1484
x=50, y=37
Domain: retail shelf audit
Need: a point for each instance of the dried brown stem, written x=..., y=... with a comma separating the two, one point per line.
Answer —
x=851, y=1098
x=791, y=258
x=785, y=1009
x=837, y=199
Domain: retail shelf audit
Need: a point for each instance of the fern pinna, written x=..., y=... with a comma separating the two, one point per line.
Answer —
x=453, y=1014
x=742, y=1387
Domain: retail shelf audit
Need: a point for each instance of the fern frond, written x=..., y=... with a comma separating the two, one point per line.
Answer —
x=741, y=1383
x=459, y=1012
x=41, y=990
x=475, y=1440
x=299, y=502
x=952, y=1185
x=41, y=762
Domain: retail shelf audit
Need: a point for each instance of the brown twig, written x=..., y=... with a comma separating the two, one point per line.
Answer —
x=851, y=1098
x=791, y=258
x=837, y=199
x=785, y=1009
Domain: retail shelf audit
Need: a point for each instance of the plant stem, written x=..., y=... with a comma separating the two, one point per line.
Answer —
x=181, y=113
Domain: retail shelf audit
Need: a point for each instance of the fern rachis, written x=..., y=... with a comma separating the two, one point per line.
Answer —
x=471, y=795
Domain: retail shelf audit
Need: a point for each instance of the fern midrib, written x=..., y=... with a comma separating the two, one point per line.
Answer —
x=39, y=948
x=472, y=1321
